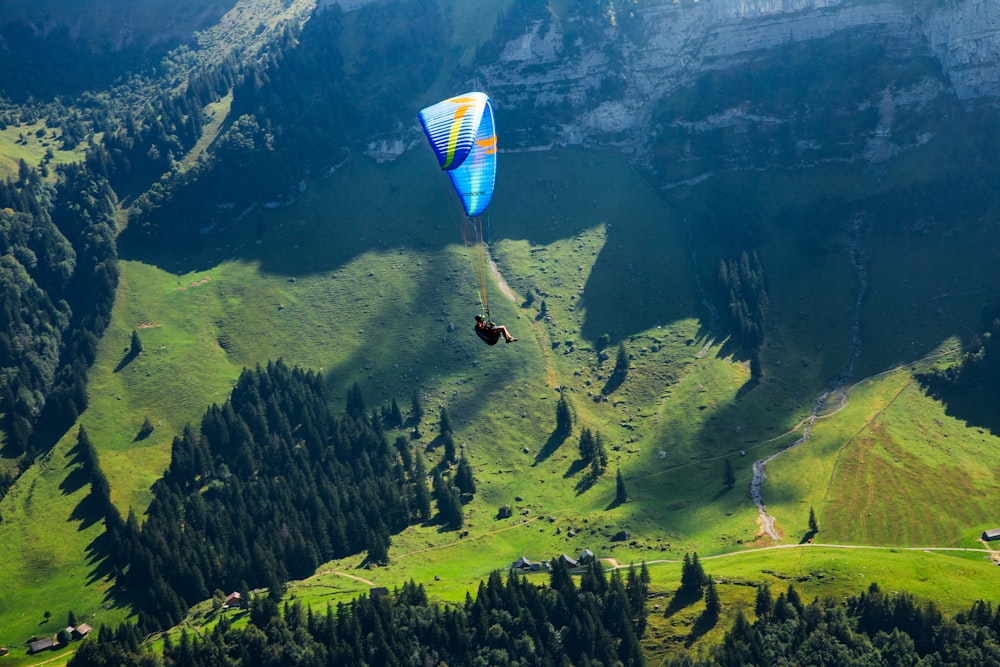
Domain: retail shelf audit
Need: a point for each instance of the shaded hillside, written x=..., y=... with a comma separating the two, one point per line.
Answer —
x=63, y=49
x=301, y=110
x=971, y=388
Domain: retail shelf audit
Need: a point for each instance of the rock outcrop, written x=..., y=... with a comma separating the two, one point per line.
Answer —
x=613, y=84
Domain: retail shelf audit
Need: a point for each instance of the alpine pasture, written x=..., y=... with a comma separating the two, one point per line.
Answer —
x=364, y=278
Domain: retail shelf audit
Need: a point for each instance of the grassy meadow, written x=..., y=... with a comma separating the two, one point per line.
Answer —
x=365, y=279
x=31, y=142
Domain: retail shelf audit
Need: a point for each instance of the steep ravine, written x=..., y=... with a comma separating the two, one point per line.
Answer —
x=858, y=258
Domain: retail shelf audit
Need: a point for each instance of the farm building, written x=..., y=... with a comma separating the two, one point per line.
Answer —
x=991, y=534
x=567, y=561
x=43, y=644
x=81, y=631
x=521, y=563
x=525, y=565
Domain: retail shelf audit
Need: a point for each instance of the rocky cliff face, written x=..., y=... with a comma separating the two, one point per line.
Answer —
x=648, y=51
x=966, y=39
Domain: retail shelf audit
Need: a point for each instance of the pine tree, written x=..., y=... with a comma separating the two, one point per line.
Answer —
x=421, y=494
x=713, y=606
x=692, y=576
x=449, y=505
x=395, y=415
x=449, y=447
x=813, y=526
x=586, y=445
x=355, y=402
x=621, y=495
x=378, y=548
x=764, y=603
x=445, y=422
x=416, y=409
x=405, y=452
x=464, y=479
x=564, y=417
x=600, y=452
x=622, y=361
x=135, y=347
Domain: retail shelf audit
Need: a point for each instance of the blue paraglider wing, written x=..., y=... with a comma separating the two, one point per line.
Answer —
x=462, y=134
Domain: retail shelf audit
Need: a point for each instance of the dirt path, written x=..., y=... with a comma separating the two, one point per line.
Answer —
x=504, y=287
x=341, y=574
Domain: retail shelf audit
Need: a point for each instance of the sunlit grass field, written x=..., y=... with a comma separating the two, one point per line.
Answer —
x=31, y=142
x=364, y=279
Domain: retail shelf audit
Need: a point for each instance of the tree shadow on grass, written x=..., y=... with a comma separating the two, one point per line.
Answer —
x=554, y=442
x=129, y=357
x=75, y=480
x=721, y=492
x=585, y=483
x=747, y=387
x=615, y=381
x=88, y=512
x=77, y=477
x=680, y=600
x=98, y=559
x=700, y=627
x=977, y=408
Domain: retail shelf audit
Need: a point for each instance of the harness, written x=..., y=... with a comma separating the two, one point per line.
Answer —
x=489, y=335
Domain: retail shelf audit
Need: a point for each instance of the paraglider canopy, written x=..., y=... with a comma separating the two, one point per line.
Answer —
x=462, y=134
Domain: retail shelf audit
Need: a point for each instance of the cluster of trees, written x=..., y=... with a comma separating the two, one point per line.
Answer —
x=875, y=628
x=745, y=286
x=58, y=271
x=141, y=144
x=512, y=622
x=58, y=253
x=271, y=485
x=697, y=585
x=593, y=452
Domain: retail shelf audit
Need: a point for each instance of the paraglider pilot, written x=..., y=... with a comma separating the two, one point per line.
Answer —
x=490, y=333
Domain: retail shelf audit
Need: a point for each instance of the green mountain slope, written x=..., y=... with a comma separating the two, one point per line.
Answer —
x=873, y=277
